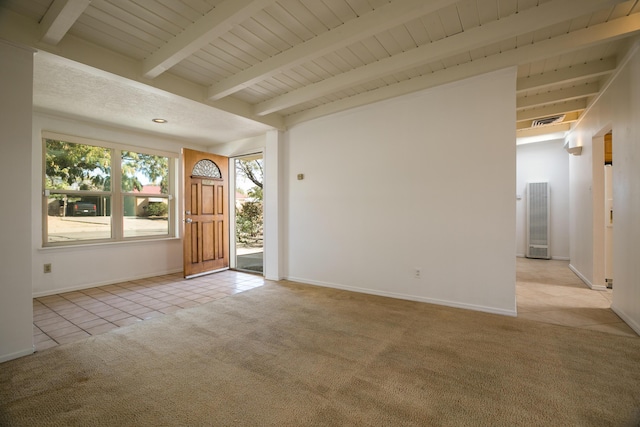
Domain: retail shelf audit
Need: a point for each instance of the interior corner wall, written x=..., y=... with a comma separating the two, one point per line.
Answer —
x=420, y=182
x=16, y=309
x=619, y=109
x=84, y=266
x=544, y=162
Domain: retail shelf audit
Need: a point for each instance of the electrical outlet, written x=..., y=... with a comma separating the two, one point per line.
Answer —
x=47, y=268
x=417, y=273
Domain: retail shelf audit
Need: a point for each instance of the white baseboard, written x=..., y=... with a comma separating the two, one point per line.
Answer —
x=493, y=310
x=627, y=319
x=586, y=281
x=21, y=353
x=105, y=283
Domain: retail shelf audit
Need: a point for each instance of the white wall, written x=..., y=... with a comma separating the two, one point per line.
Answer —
x=544, y=162
x=16, y=312
x=619, y=109
x=423, y=181
x=85, y=266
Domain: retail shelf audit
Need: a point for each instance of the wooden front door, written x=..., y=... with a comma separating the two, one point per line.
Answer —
x=206, y=212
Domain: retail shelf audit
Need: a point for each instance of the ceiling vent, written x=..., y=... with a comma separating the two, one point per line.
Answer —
x=547, y=121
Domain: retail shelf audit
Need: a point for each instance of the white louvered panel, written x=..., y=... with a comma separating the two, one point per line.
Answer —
x=450, y=20
x=538, y=220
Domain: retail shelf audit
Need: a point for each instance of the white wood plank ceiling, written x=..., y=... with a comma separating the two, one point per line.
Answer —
x=282, y=62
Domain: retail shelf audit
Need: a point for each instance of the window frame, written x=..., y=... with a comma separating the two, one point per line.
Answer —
x=116, y=193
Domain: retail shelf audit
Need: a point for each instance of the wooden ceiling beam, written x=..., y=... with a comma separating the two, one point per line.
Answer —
x=567, y=75
x=552, y=110
x=555, y=96
x=60, y=16
x=217, y=22
x=381, y=19
x=545, y=15
x=608, y=31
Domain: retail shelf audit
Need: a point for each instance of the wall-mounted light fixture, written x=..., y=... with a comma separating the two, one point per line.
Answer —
x=159, y=120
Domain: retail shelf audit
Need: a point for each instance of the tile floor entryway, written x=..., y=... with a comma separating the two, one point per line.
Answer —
x=71, y=316
x=547, y=291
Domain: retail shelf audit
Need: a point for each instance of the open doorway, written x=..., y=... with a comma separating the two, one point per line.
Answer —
x=249, y=209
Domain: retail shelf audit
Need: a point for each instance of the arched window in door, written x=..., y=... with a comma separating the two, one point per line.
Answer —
x=206, y=168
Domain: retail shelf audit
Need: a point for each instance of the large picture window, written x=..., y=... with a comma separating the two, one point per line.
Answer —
x=96, y=192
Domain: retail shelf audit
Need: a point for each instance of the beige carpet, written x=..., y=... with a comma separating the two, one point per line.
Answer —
x=289, y=355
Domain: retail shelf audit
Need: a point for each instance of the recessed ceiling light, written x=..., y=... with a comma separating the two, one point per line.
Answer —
x=159, y=120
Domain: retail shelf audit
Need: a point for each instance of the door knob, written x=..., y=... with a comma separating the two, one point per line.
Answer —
x=188, y=220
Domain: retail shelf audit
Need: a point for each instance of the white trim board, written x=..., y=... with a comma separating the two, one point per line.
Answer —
x=492, y=310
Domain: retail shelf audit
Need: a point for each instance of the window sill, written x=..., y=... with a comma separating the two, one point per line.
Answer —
x=95, y=245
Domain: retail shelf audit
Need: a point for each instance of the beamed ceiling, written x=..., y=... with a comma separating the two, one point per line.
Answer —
x=221, y=70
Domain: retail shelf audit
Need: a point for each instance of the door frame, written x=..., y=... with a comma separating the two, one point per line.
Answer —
x=232, y=212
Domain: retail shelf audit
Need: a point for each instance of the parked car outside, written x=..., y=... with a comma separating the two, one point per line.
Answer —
x=84, y=209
